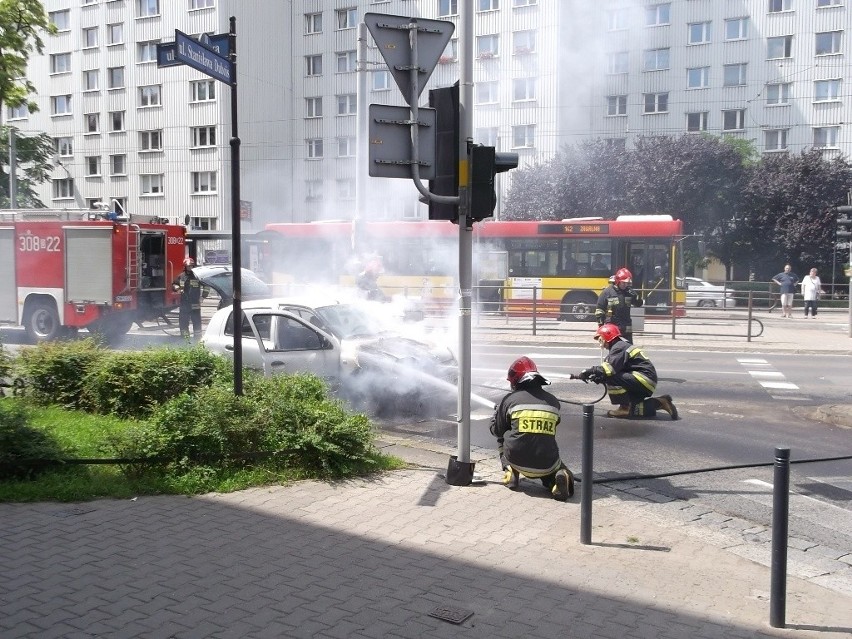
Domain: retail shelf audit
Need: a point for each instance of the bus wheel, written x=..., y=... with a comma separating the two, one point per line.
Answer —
x=578, y=307
x=42, y=322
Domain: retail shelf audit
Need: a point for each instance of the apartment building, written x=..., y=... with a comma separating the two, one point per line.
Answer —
x=546, y=73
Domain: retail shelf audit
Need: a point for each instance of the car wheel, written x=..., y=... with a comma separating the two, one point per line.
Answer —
x=707, y=303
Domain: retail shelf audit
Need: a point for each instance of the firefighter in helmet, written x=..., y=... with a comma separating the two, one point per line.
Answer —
x=629, y=375
x=524, y=424
x=615, y=301
x=190, y=299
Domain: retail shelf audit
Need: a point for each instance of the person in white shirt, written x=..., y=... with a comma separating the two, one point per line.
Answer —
x=810, y=292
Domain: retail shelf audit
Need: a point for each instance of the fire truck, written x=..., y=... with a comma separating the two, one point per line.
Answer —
x=62, y=270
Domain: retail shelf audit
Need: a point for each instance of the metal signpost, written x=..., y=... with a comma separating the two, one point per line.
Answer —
x=216, y=56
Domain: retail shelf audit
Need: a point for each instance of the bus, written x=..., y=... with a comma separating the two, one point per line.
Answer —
x=555, y=268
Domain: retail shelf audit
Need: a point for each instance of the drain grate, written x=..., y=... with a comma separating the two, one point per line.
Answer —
x=453, y=615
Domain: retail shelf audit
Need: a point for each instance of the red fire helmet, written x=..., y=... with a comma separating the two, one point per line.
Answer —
x=608, y=332
x=523, y=370
x=623, y=275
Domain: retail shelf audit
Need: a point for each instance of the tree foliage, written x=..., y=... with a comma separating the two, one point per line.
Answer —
x=34, y=154
x=22, y=23
x=753, y=213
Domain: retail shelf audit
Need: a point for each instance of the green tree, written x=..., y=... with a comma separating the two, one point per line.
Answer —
x=34, y=153
x=22, y=23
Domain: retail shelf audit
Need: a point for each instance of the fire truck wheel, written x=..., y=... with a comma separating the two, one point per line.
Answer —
x=112, y=327
x=42, y=322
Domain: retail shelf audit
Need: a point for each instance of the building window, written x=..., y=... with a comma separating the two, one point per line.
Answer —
x=90, y=80
x=347, y=18
x=315, y=151
x=487, y=46
x=448, y=8
x=523, y=3
x=778, y=94
x=775, y=140
x=617, y=20
x=20, y=112
x=152, y=184
x=313, y=23
x=826, y=90
x=777, y=6
x=828, y=43
x=698, y=78
x=115, y=34
x=346, y=147
x=696, y=122
x=345, y=61
x=203, y=136
x=347, y=104
x=450, y=53
x=523, y=89
x=486, y=136
x=146, y=51
x=825, y=137
x=64, y=146
x=93, y=166
x=201, y=4
x=204, y=223
x=658, y=14
x=148, y=8
x=523, y=136
x=118, y=164
x=381, y=80
x=203, y=182
x=736, y=29
x=149, y=96
x=115, y=78
x=345, y=189
x=60, y=63
x=829, y=3
x=733, y=120
x=523, y=42
x=202, y=91
x=63, y=189
x=60, y=19
x=151, y=140
x=313, y=64
x=313, y=190
x=616, y=105
x=698, y=33
x=488, y=5
x=656, y=102
x=780, y=47
x=313, y=107
x=90, y=37
x=734, y=75
x=487, y=92
x=93, y=122
x=617, y=62
x=116, y=121
x=60, y=105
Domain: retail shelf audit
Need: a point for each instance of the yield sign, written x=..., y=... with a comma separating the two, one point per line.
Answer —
x=398, y=36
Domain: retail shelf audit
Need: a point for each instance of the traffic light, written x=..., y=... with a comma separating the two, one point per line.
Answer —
x=445, y=101
x=844, y=223
x=485, y=163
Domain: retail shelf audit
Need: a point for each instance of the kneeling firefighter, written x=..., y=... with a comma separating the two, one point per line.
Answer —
x=629, y=375
x=524, y=424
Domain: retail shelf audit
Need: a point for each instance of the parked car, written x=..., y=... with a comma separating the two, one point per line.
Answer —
x=220, y=278
x=704, y=294
x=351, y=344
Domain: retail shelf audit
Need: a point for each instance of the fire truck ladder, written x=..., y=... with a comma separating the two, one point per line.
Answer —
x=133, y=236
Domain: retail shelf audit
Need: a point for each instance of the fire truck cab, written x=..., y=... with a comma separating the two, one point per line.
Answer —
x=61, y=270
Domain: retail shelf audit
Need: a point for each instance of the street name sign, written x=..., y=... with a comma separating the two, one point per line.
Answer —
x=166, y=50
x=191, y=52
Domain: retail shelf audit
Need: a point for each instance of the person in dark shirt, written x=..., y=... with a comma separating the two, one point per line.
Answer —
x=190, y=299
x=615, y=301
x=630, y=377
x=786, y=281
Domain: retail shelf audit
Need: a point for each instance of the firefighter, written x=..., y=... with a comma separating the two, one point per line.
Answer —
x=629, y=375
x=615, y=301
x=190, y=299
x=368, y=281
x=524, y=424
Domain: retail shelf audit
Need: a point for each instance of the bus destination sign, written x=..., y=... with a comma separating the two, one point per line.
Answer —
x=574, y=229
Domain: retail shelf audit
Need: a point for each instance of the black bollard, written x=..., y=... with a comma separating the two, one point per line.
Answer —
x=780, y=525
x=586, y=484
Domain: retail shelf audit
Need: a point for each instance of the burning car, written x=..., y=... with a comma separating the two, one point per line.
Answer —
x=350, y=344
x=220, y=279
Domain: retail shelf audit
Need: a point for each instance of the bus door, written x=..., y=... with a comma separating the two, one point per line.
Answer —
x=492, y=269
x=649, y=262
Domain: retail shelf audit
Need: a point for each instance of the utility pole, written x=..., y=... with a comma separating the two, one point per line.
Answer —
x=13, y=170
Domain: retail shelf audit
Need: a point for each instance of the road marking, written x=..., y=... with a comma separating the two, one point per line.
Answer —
x=765, y=374
x=780, y=383
x=765, y=499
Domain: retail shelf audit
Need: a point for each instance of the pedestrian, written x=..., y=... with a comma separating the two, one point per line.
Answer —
x=811, y=289
x=598, y=264
x=629, y=376
x=786, y=281
x=524, y=424
x=615, y=301
x=190, y=299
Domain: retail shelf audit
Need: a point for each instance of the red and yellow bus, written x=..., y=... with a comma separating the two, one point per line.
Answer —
x=559, y=266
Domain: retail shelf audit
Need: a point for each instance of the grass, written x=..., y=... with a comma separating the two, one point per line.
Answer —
x=85, y=436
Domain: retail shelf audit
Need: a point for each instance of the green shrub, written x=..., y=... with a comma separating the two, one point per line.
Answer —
x=131, y=384
x=54, y=372
x=19, y=441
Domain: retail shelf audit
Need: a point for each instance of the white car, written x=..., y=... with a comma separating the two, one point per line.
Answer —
x=351, y=344
x=704, y=294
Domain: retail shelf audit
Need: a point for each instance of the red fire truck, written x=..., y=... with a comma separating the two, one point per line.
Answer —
x=61, y=270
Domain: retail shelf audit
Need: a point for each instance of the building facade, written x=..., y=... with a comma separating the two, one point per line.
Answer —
x=157, y=141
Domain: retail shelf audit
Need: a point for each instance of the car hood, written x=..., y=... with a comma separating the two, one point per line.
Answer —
x=405, y=352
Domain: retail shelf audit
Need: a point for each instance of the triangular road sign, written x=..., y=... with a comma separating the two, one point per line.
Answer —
x=393, y=38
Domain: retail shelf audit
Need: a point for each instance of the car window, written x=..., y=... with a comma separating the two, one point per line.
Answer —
x=293, y=335
x=262, y=322
x=346, y=320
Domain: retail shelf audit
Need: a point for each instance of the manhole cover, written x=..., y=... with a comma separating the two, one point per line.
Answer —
x=453, y=615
